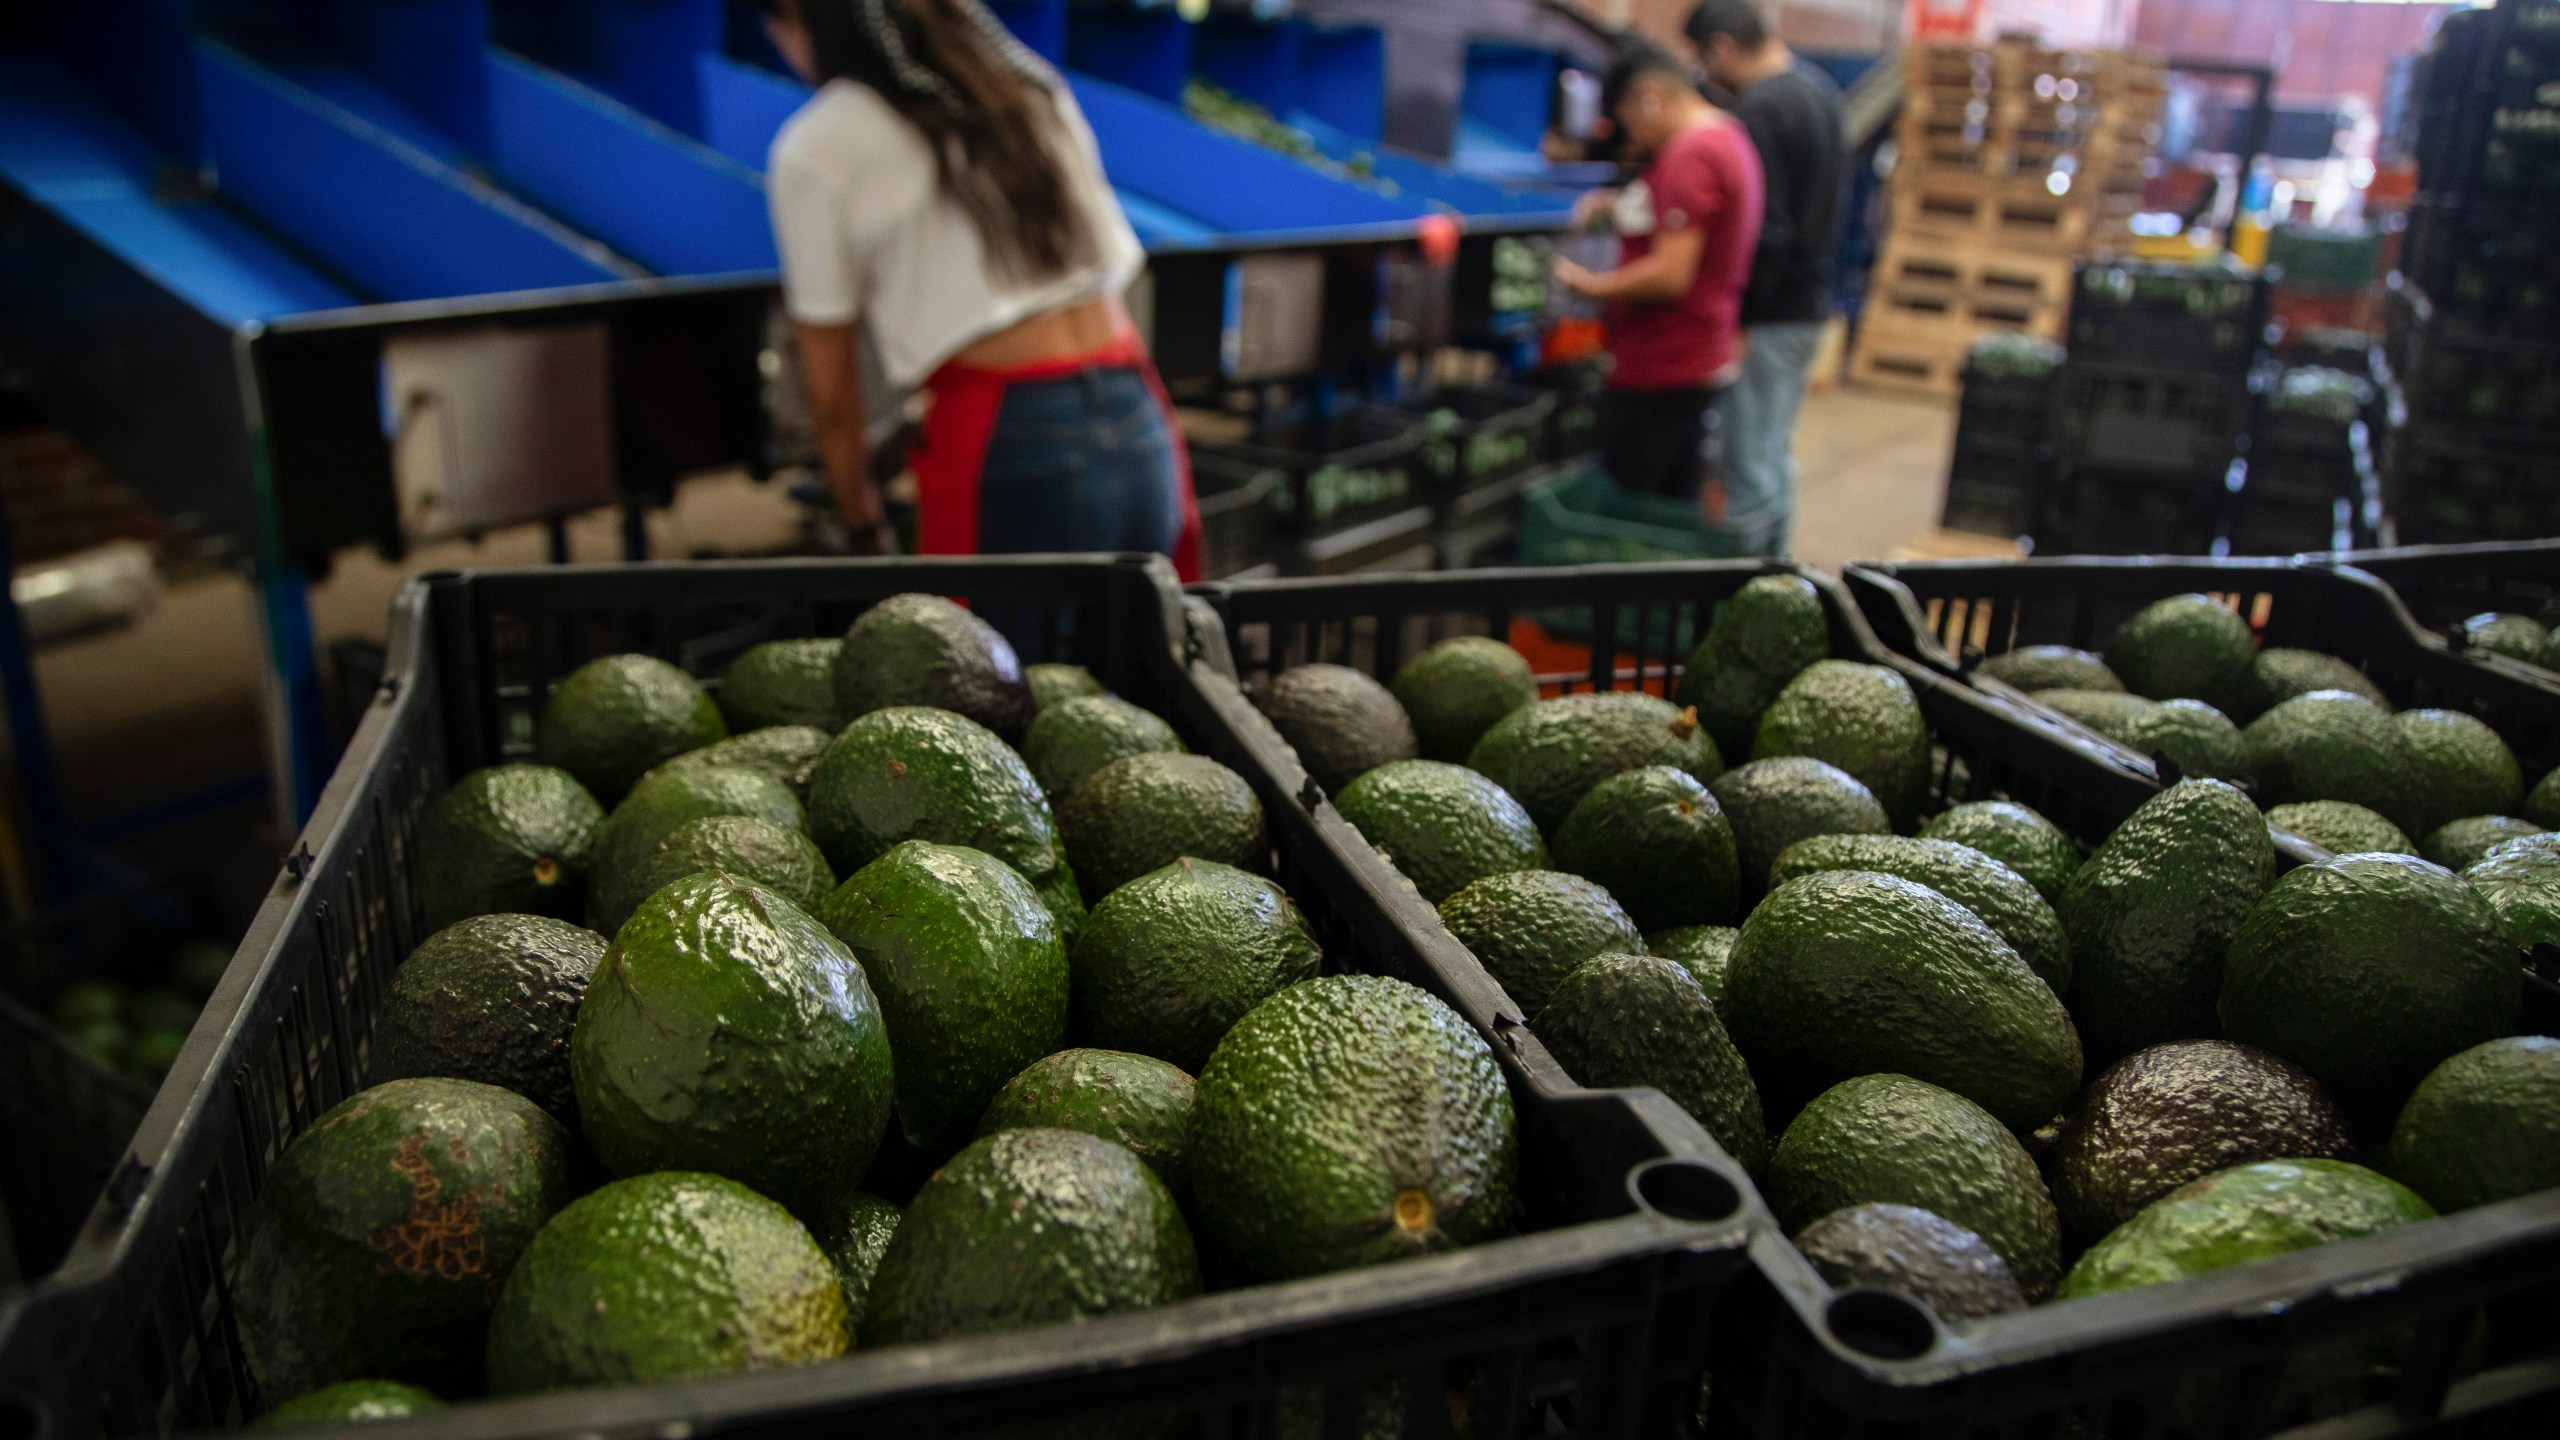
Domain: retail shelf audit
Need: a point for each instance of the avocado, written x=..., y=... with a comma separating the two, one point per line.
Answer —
x=2161, y=1117
x=2520, y=879
x=663, y=1276
x=88, y=1002
x=2341, y=828
x=782, y=682
x=661, y=804
x=1342, y=723
x=2014, y=835
x=2200, y=740
x=2484, y=1126
x=383, y=1231
x=854, y=1229
x=2458, y=767
x=1912, y=1252
x=1762, y=638
x=1702, y=950
x=2186, y=647
x=1030, y=1227
x=1888, y=1138
x=2367, y=970
x=757, y=851
x=2542, y=805
x=2034, y=668
x=512, y=838
x=2109, y=712
x=351, y=1402
x=2460, y=844
x=1997, y=895
x=788, y=753
x=614, y=719
x=2151, y=914
x=1849, y=972
x=2333, y=745
x=2245, y=1213
x=1074, y=738
x=1147, y=811
x=1861, y=718
x=1171, y=960
x=1772, y=804
x=1350, y=1120
x=1132, y=1100
x=491, y=999
x=2517, y=637
x=1621, y=1020
x=1442, y=826
x=971, y=975
x=1550, y=754
x=1053, y=683
x=727, y=1031
x=2279, y=674
x=1658, y=842
x=912, y=650
x=916, y=773
x=1530, y=928
x=1454, y=691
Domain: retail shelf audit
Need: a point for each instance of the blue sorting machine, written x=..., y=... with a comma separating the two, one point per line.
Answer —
x=224, y=225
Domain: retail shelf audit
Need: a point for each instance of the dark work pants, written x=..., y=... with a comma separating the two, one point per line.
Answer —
x=1653, y=441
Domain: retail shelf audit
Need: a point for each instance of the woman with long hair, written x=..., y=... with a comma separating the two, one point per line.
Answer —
x=942, y=192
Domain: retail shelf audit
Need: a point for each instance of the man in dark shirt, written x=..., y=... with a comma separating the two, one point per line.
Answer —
x=1792, y=111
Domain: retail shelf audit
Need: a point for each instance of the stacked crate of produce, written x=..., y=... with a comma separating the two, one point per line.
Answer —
x=2014, y=160
x=2308, y=482
x=2002, y=454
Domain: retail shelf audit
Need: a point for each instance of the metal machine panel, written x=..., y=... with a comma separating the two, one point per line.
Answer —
x=498, y=425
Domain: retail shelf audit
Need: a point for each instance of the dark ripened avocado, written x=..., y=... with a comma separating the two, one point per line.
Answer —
x=854, y=1229
x=2014, y=835
x=2185, y=647
x=2520, y=879
x=1913, y=1252
x=2459, y=767
x=2484, y=1126
x=1622, y=1020
x=1052, y=683
x=1658, y=842
x=782, y=682
x=1702, y=950
x=615, y=719
x=1074, y=738
x=351, y=1402
x=788, y=753
x=2245, y=1213
x=491, y=999
x=1861, y=718
x=1342, y=723
x=1133, y=1100
x=1549, y=755
x=1763, y=637
x=1143, y=813
x=1997, y=895
x=2049, y=667
x=1530, y=928
x=2334, y=745
x=749, y=848
x=916, y=649
x=1772, y=804
x=2341, y=828
x=1171, y=960
x=1456, y=690
x=662, y=803
x=2460, y=844
x=1442, y=826
x=512, y=839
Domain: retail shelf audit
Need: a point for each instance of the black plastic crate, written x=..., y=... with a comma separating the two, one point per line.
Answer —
x=1235, y=515
x=1339, y=471
x=2484, y=260
x=1994, y=494
x=1491, y=433
x=2456, y=484
x=2462, y=375
x=2147, y=420
x=64, y=1120
x=2102, y=510
x=1594, y=1319
x=1573, y=428
x=2004, y=415
x=2444, y=585
x=2166, y=317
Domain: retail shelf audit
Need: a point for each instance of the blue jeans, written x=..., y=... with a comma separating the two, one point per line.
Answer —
x=1081, y=462
x=1759, y=435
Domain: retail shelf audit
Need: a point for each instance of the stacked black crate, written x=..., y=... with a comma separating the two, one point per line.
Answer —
x=2307, y=480
x=2003, y=454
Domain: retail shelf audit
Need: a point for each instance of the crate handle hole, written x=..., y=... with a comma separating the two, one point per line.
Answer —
x=1685, y=1190
x=1882, y=1324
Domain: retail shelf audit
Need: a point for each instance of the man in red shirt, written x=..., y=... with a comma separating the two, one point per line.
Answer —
x=1687, y=230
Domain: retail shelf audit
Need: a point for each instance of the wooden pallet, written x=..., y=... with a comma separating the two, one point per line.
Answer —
x=1919, y=360
x=2016, y=214
x=1972, y=285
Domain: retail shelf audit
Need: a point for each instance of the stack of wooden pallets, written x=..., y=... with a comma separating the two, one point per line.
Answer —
x=2014, y=161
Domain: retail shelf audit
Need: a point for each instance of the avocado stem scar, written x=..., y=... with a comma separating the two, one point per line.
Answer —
x=1413, y=1211
x=546, y=871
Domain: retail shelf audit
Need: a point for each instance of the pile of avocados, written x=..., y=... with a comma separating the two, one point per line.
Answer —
x=2532, y=639
x=1962, y=1059
x=894, y=991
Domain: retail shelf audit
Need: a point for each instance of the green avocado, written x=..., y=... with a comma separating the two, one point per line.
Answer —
x=1912, y=1252
x=2460, y=844
x=2186, y=647
x=1442, y=826
x=1143, y=813
x=1887, y=1138
x=491, y=999
x=1171, y=960
x=1762, y=638
x=2517, y=637
x=1351, y=1120
x=2200, y=740
x=1848, y=972
x=854, y=1229
x=1030, y=1227
x=1772, y=804
x=755, y=850
x=2542, y=804
x=1530, y=928
x=383, y=1232
x=1658, y=842
x=1132, y=1100
x=971, y=975
x=2520, y=879
x=2279, y=674
x=788, y=753
x=1341, y=723
x=727, y=1031
x=2367, y=970
x=351, y=1402
x=2484, y=1126
x=2341, y=828
x=661, y=804
x=2109, y=712
x=922, y=650
x=782, y=682
x=1702, y=950
x=912, y=772
x=1053, y=683
x=2459, y=767
x=1074, y=738
x=1621, y=1020
x=1549, y=755
x=2016, y=837
x=2333, y=745
x=615, y=719
x=1861, y=718
x=2151, y=914
x=2034, y=668
x=2234, y=1216
x=663, y=1276
x=1456, y=690
x=1997, y=895
x=2161, y=1117
x=510, y=838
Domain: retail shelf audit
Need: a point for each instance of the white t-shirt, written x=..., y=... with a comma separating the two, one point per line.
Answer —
x=866, y=233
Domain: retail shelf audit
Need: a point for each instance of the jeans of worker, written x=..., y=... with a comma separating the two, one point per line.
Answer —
x=1759, y=435
x=1080, y=462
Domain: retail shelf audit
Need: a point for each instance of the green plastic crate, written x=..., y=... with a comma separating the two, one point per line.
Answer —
x=1580, y=518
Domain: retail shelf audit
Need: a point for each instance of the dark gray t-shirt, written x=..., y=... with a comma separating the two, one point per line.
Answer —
x=1795, y=120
